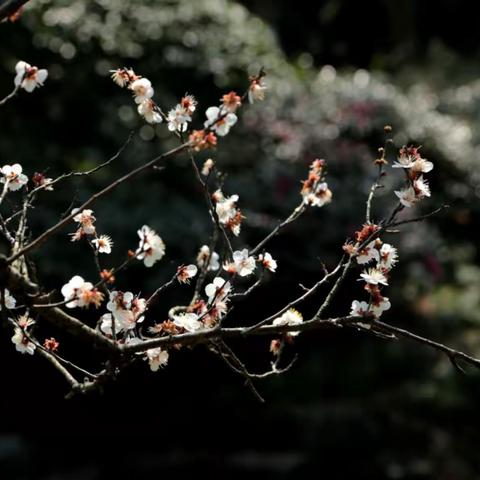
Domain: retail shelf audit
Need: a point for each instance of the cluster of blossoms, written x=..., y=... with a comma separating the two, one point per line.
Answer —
x=86, y=227
x=244, y=264
x=20, y=338
x=126, y=311
x=151, y=247
x=79, y=293
x=315, y=191
x=414, y=166
x=229, y=215
x=179, y=116
x=28, y=77
x=142, y=91
x=385, y=256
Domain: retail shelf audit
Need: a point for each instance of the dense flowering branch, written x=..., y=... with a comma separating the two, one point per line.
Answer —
x=125, y=329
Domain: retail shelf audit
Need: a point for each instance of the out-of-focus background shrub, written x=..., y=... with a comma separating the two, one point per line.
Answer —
x=338, y=71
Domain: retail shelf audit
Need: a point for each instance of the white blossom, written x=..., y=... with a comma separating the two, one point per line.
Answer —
x=156, y=358
x=378, y=308
x=388, y=256
x=151, y=247
x=80, y=293
x=290, y=317
x=374, y=276
x=127, y=310
x=219, y=122
x=14, y=176
x=149, y=111
x=86, y=219
x=256, y=91
x=103, y=244
x=188, y=321
x=10, y=301
x=218, y=289
x=422, y=165
x=204, y=254
x=421, y=187
x=407, y=197
x=368, y=253
x=22, y=343
x=243, y=264
x=28, y=77
x=319, y=197
x=142, y=90
x=359, y=309
x=267, y=261
x=186, y=272
x=178, y=119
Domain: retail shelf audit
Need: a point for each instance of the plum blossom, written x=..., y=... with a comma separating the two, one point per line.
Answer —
x=9, y=300
x=320, y=196
x=103, y=244
x=256, y=90
x=368, y=253
x=243, y=264
x=188, y=321
x=268, y=262
x=421, y=187
x=189, y=104
x=127, y=310
x=290, y=317
x=359, y=309
x=14, y=176
x=203, y=256
x=407, y=197
x=219, y=122
x=123, y=77
x=227, y=211
x=149, y=111
x=39, y=180
x=379, y=304
x=29, y=77
x=207, y=167
x=186, y=272
x=202, y=139
x=85, y=219
x=22, y=343
x=388, y=256
x=178, y=119
x=231, y=102
x=142, y=90
x=151, y=247
x=80, y=293
x=218, y=289
x=374, y=276
x=156, y=358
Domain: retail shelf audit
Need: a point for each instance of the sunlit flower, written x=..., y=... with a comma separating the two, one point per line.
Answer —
x=123, y=77
x=359, y=309
x=243, y=264
x=218, y=289
x=86, y=219
x=189, y=104
x=388, y=256
x=207, y=167
x=256, y=90
x=231, y=102
x=103, y=244
x=151, y=247
x=420, y=165
x=14, y=176
x=22, y=343
x=156, y=358
x=186, y=272
x=318, y=196
x=219, y=122
x=178, y=119
x=204, y=254
x=201, y=140
x=188, y=321
x=149, y=111
x=368, y=253
x=374, y=276
x=127, y=310
x=379, y=305
x=29, y=77
x=421, y=187
x=290, y=317
x=407, y=197
x=142, y=90
x=9, y=300
x=81, y=293
x=267, y=261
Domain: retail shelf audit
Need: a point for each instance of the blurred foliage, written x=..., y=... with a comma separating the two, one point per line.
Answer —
x=396, y=410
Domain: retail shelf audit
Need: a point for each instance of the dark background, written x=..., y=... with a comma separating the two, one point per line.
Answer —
x=352, y=404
